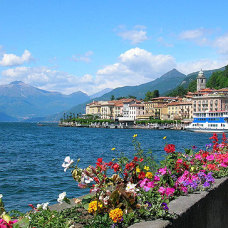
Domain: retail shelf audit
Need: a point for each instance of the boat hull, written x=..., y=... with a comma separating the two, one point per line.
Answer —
x=205, y=130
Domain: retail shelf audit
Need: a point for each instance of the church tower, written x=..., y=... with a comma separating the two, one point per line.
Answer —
x=201, y=81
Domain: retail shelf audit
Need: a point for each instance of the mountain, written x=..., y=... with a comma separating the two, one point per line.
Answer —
x=100, y=93
x=193, y=76
x=166, y=82
x=6, y=118
x=23, y=101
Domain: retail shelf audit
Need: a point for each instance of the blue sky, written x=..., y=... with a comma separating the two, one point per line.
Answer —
x=91, y=45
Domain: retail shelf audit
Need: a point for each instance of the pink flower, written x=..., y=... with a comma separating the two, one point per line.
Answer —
x=210, y=157
x=221, y=145
x=184, y=189
x=179, y=160
x=162, y=171
x=161, y=190
x=224, y=165
x=156, y=178
x=169, y=191
x=198, y=157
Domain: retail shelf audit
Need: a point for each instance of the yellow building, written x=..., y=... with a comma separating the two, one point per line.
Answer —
x=180, y=110
x=157, y=107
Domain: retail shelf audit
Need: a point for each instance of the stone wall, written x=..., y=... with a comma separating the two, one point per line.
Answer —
x=198, y=210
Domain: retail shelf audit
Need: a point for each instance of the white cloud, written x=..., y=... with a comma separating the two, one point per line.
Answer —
x=135, y=66
x=164, y=43
x=137, y=35
x=204, y=64
x=83, y=58
x=191, y=34
x=198, y=36
x=14, y=60
x=221, y=43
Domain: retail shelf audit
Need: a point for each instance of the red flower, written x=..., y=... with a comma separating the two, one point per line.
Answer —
x=214, y=137
x=99, y=160
x=141, y=159
x=170, y=148
x=141, y=175
x=109, y=164
x=135, y=159
x=129, y=165
x=116, y=167
x=96, y=179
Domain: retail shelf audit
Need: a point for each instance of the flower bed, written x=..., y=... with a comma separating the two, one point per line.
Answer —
x=127, y=191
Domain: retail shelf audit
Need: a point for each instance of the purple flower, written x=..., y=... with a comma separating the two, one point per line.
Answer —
x=194, y=147
x=164, y=206
x=208, y=145
x=206, y=185
x=148, y=203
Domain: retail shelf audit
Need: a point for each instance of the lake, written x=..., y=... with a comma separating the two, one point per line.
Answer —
x=31, y=156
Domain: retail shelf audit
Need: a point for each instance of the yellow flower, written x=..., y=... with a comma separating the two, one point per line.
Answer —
x=138, y=170
x=149, y=175
x=116, y=215
x=164, y=137
x=113, y=159
x=192, y=168
x=135, y=135
x=94, y=206
x=113, y=148
x=146, y=168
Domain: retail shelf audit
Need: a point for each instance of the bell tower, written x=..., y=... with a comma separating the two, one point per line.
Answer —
x=201, y=81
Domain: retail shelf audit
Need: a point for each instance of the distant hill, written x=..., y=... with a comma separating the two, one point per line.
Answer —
x=190, y=78
x=165, y=83
x=6, y=118
x=22, y=101
x=101, y=93
x=193, y=76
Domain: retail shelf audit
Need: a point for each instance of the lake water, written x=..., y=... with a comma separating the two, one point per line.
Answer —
x=31, y=156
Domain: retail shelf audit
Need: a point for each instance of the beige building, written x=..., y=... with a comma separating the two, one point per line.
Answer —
x=180, y=110
x=94, y=108
x=157, y=107
x=210, y=100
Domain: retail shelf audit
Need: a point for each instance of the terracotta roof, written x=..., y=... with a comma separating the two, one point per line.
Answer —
x=179, y=103
x=136, y=105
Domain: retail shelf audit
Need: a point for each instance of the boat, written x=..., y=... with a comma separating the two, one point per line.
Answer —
x=209, y=121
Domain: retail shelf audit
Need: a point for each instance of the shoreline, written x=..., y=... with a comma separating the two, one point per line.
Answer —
x=121, y=126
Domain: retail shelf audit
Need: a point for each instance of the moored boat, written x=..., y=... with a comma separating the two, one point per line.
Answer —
x=209, y=121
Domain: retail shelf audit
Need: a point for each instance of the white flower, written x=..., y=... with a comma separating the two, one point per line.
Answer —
x=131, y=188
x=67, y=162
x=39, y=206
x=45, y=206
x=61, y=197
x=1, y=196
x=86, y=179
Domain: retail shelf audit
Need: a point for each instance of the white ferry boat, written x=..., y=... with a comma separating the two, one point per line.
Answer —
x=209, y=122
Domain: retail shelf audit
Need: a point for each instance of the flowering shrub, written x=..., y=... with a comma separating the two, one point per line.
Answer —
x=125, y=191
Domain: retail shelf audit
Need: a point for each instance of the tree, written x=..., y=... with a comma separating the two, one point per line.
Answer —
x=132, y=97
x=112, y=97
x=156, y=93
x=149, y=95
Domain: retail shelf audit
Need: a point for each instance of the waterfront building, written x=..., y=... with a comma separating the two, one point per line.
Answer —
x=130, y=110
x=180, y=110
x=94, y=108
x=210, y=100
x=156, y=107
x=107, y=110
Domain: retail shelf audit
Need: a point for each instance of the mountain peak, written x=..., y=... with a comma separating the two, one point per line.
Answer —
x=17, y=83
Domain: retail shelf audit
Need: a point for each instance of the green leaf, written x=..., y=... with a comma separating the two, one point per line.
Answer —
x=86, y=206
